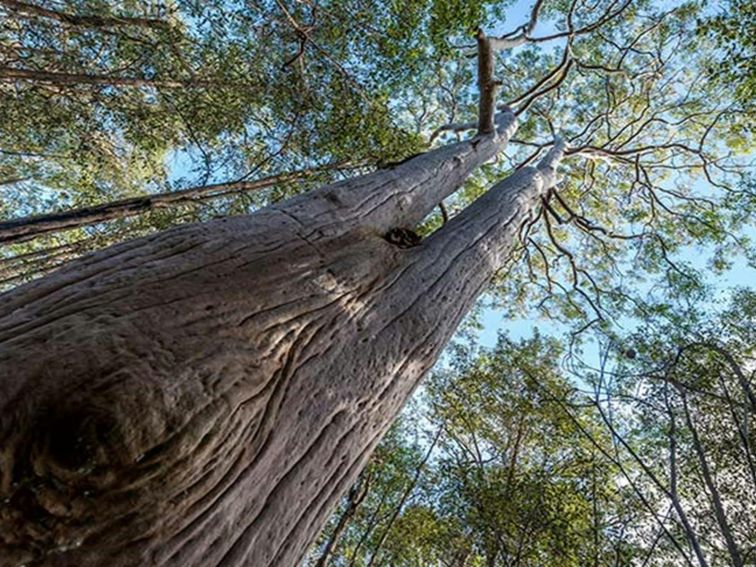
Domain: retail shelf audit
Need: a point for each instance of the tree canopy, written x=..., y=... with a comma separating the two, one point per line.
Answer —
x=104, y=102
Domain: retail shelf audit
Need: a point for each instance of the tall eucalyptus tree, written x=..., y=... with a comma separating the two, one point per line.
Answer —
x=204, y=395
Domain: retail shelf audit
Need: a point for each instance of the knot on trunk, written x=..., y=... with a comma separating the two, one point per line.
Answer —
x=83, y=440
x=48, y=508
x=403, y=237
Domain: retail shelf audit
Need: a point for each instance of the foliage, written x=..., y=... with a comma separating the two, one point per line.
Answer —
x=581, y=463
x=733, y=29
x=512, y=480
x=239, y=89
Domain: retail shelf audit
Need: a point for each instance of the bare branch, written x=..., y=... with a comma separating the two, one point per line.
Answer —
x=522, y=35
x=455, y=127
x=605, y=18
x=559, y=69
x=487, y=86
x=93, y=21
x=519, y=36
x=19, y=230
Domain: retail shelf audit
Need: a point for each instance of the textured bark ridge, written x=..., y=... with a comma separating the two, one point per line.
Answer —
x=205, y=395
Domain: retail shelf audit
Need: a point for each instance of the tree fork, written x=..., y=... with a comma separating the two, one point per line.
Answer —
x=205, y=395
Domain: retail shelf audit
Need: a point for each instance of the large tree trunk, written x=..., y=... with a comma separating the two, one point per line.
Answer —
x=205, y=395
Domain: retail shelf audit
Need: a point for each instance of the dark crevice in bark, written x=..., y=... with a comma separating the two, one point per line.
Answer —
x=403, y=237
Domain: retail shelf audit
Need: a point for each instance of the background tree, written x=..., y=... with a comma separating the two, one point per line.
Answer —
x=689, y=390
x=413, y=76
x=644, y=459
x=731, y=27
x=511, y=479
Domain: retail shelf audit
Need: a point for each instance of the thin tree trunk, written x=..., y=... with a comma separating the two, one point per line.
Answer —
x=356, y=496
x=595, y=512
x=657, y=539
x=19, y=230
x=205, y=395
x=373, y=520
x=732, y=363
x=742, y=429
x=60, y=78
x=671, y=491
x=93, y=21
x=711, y=487
x=400, y=506
x=615, y=461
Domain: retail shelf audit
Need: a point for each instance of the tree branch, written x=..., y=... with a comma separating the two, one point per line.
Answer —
x=93, y=21
x=19, y=230
x=487, y=85
x=16, y=74
x=519, y=36
x=510, y=41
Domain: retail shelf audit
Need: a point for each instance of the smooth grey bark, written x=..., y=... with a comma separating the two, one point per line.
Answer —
x=205, y=395
x=487, y=85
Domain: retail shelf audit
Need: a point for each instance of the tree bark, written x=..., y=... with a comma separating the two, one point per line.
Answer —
x=205, y=395
x=487, y=85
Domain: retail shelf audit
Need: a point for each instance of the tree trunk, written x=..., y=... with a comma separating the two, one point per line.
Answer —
x=26, y=228
x=204, y=396
x=403, y=500
x=711, y=487
x=87, y=20
x=357, y=494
